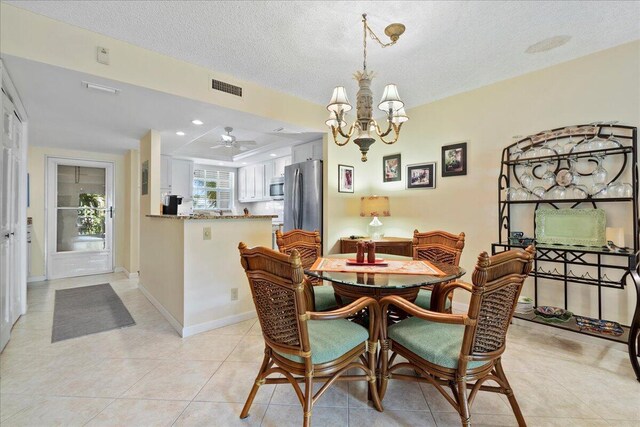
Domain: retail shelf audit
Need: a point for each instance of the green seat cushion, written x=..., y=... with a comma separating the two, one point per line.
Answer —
x=324, y=298
x=330, y=339
x=438, y=343
x=424, y=300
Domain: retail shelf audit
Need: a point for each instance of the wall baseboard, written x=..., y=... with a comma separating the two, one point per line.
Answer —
x=201, y=327
x=36, y=279
x=218, y=323
x=172, y=320
x=125, y=271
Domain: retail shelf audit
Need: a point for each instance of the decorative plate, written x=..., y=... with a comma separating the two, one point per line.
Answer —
x=564, y=177
x=601, y=326
x=549, y=311
x=553, y=314
x=584, y=227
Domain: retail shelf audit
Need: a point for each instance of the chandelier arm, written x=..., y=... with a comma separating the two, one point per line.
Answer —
x=396, y=129
x=386, y=132
x=338, y=130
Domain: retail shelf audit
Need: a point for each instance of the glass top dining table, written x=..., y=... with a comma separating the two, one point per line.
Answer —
x=378, y=285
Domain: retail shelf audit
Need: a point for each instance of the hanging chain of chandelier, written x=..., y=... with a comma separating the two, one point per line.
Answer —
x=365, y=127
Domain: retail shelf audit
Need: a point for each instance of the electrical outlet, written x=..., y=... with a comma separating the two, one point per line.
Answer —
x=234, y=294
x=206, y=233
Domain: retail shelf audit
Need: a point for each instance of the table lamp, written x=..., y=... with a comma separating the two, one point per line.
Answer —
x=374, y=206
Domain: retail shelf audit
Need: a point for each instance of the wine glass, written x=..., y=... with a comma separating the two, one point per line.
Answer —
x=532, y=151
x=579, y=192
x=627, y=190
x=611, y=141
x=511, y=193
x=597, y=143
x=599, y=174
x=586, y=143
x=516, y=151
x=599, y=191
x=570, y=144
x=549, y=178
x=615, y=189
x=545, y=150
x=522, y=194
x=526, y=179
x=538, y=192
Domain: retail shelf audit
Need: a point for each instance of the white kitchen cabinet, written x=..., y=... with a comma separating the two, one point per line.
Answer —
x=309, y=151
x=165, y=173
x=242, y=184
x=269, y=172
x=279, y=164
x=254, y=180
x=182, y=178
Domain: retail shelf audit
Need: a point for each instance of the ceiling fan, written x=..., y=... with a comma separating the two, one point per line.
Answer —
x=230, y=142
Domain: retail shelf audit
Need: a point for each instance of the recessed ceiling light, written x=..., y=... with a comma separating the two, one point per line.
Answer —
x=196, y=122
x=244, y=163
x=548, y=44
x=180, y=133
x=273, y=154
x=220, y=163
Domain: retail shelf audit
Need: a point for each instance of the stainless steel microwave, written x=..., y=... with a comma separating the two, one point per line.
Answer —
x=276, y=188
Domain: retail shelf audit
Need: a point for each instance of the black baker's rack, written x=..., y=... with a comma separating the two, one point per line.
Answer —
x=564, y=259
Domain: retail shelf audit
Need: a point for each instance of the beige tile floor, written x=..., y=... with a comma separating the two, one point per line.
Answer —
x=147, y=375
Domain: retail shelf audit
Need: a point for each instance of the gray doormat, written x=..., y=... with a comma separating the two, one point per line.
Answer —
x=88, y=310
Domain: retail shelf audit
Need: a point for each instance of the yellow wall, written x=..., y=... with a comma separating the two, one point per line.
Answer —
x=37, y=161
x=600, y=87
x=132, y=207
x=31, y=36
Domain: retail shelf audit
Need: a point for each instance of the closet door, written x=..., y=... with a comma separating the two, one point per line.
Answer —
x=9, y=196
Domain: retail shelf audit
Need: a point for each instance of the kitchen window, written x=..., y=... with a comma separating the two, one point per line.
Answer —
x=212, y=190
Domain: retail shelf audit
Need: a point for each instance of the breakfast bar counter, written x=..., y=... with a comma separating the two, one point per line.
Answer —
x=190, y=267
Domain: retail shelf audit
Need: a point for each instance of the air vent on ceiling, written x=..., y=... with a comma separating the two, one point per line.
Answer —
x=226, y=87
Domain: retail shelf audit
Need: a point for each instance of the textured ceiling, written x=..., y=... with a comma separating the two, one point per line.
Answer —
x=306, y=48
x=64, y=114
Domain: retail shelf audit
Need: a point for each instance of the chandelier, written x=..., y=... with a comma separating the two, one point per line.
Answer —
x=365, y=128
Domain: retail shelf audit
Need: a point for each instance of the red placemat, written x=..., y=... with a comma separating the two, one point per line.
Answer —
x=394, y=267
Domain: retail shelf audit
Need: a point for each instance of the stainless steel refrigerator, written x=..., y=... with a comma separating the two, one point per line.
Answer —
x=303, y=196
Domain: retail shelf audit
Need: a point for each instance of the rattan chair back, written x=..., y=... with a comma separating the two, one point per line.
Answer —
x=276, y=282
x=307, y=243
x=497, y=282
x=438, y=246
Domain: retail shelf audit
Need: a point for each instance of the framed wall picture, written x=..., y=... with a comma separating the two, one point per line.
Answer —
x=144, y=181
x=391, y=168
x=454, y=159
x=345, y=179
x=422, y=175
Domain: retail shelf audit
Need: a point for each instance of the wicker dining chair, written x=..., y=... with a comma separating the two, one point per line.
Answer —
x=459, y=351
x=438, y=246
x=309, y=246
x=303, y=346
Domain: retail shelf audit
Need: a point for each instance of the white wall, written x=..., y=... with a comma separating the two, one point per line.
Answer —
x=599, y=87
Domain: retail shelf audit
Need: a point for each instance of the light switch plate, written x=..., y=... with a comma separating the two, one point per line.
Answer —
x=234, y=294
x=206, y=233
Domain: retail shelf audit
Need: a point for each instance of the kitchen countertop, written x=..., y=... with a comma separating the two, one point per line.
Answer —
x=213, y=217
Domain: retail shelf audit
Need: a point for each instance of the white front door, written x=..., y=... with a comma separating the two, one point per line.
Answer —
x=79, y=217
x=10, y=261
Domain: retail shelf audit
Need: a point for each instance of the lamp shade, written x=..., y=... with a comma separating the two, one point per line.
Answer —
x=339, y=101
x=399, y=116
x=391, y=99
x=374, y=206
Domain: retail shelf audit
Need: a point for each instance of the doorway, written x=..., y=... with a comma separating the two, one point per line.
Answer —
x=79, y=217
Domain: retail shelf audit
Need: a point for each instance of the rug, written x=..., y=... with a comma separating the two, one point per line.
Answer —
x=88, y=310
